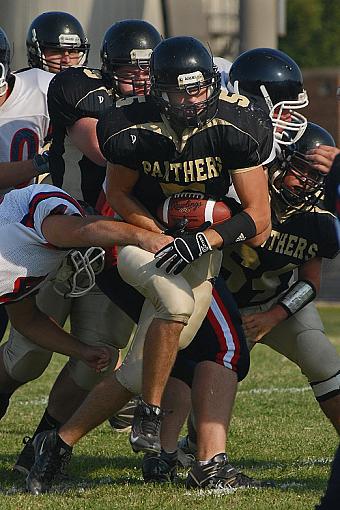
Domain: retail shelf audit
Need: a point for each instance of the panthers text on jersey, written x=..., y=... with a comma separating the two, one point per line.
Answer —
x=133, y=133
x=257, y=275
x=24, y=119
x=76, y=93
x=26, y=257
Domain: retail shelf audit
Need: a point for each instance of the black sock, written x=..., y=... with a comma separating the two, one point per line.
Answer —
x=4, y=403
x=331, y=498
x=47, y=422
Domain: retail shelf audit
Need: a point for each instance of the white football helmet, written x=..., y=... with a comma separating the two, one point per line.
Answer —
x=77, y=274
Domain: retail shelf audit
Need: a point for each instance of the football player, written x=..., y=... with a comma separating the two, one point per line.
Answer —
x=24, y=124
x=39, y=226
x=191, y=370
x=55, y=41
x=275, y=312
x=274, y=81
x=330, y=500
x=76, y=98
x=184, y=137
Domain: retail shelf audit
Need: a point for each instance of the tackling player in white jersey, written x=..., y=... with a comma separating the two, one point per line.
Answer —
x=38, y=227
x=24, y=121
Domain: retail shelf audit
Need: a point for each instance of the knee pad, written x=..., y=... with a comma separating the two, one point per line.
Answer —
x=84, y=376
x=316, y=357
x=173, y=301
x=24, y=366
x=131, y=378
x=324, y=390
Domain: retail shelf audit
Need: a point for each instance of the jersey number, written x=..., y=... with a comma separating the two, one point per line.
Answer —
x=25, y=143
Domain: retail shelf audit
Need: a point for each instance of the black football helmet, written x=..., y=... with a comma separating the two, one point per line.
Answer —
x=273, y=79
x=5, y=59
x=55, y=30
x=293, y=161
x=183, y=64
x=128, y=43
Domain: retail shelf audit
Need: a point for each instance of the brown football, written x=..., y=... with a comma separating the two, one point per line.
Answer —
x=194, y=207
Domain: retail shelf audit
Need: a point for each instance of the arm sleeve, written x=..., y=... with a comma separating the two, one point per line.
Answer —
x=49, y=200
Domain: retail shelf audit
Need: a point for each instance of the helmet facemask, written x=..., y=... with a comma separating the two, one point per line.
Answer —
x=67, y=42
x=311, y=182
x=192, y=115
x=289, y=131
x=139, y=61
x=3, y=82
x=77, y=274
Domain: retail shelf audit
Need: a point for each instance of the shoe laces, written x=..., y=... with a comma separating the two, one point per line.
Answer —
x=150, y=420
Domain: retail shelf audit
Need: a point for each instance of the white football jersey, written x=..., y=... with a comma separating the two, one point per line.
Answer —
x=224, y=66
x=24, y=119
x=26, y=257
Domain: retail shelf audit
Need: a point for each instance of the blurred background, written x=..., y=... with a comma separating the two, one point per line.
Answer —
x=307, y=30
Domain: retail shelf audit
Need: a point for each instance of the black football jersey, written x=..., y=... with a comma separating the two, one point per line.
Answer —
x=76, y=93
x=332, y=184
x=134, y=134
x=257, y=275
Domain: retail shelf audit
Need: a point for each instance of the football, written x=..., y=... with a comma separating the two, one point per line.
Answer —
x=194, y=207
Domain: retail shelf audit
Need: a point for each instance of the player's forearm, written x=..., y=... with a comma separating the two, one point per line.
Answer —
x=262, y=219
x=132, y=211
x=16, y=172
x=74, y=232
x=41, y=330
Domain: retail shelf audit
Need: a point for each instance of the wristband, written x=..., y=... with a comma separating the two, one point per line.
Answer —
x=41, y=163
x=238, y=228
x=297, y=296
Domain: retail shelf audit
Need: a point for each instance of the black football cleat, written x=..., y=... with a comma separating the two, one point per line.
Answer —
x=186, y=450
x=146, y=427
x=25, y=459
x=160, y=467
x=51, y=454
x=121, y=422
x=218, y=474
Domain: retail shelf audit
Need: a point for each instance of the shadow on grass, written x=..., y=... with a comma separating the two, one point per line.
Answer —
x=85, y=474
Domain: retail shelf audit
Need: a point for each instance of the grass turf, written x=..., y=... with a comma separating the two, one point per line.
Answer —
x=278, y=432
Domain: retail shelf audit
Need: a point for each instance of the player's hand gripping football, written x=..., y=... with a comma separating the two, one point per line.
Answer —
x=184, y=249
x=98, y=358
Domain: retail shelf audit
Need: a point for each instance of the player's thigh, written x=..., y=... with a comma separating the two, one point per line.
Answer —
x=220, y=339
x=52, y=304
x=95, y=319
x=170, y=295
x=301, y=338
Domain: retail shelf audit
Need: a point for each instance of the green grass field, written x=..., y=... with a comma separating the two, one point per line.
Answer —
x=278, y=432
